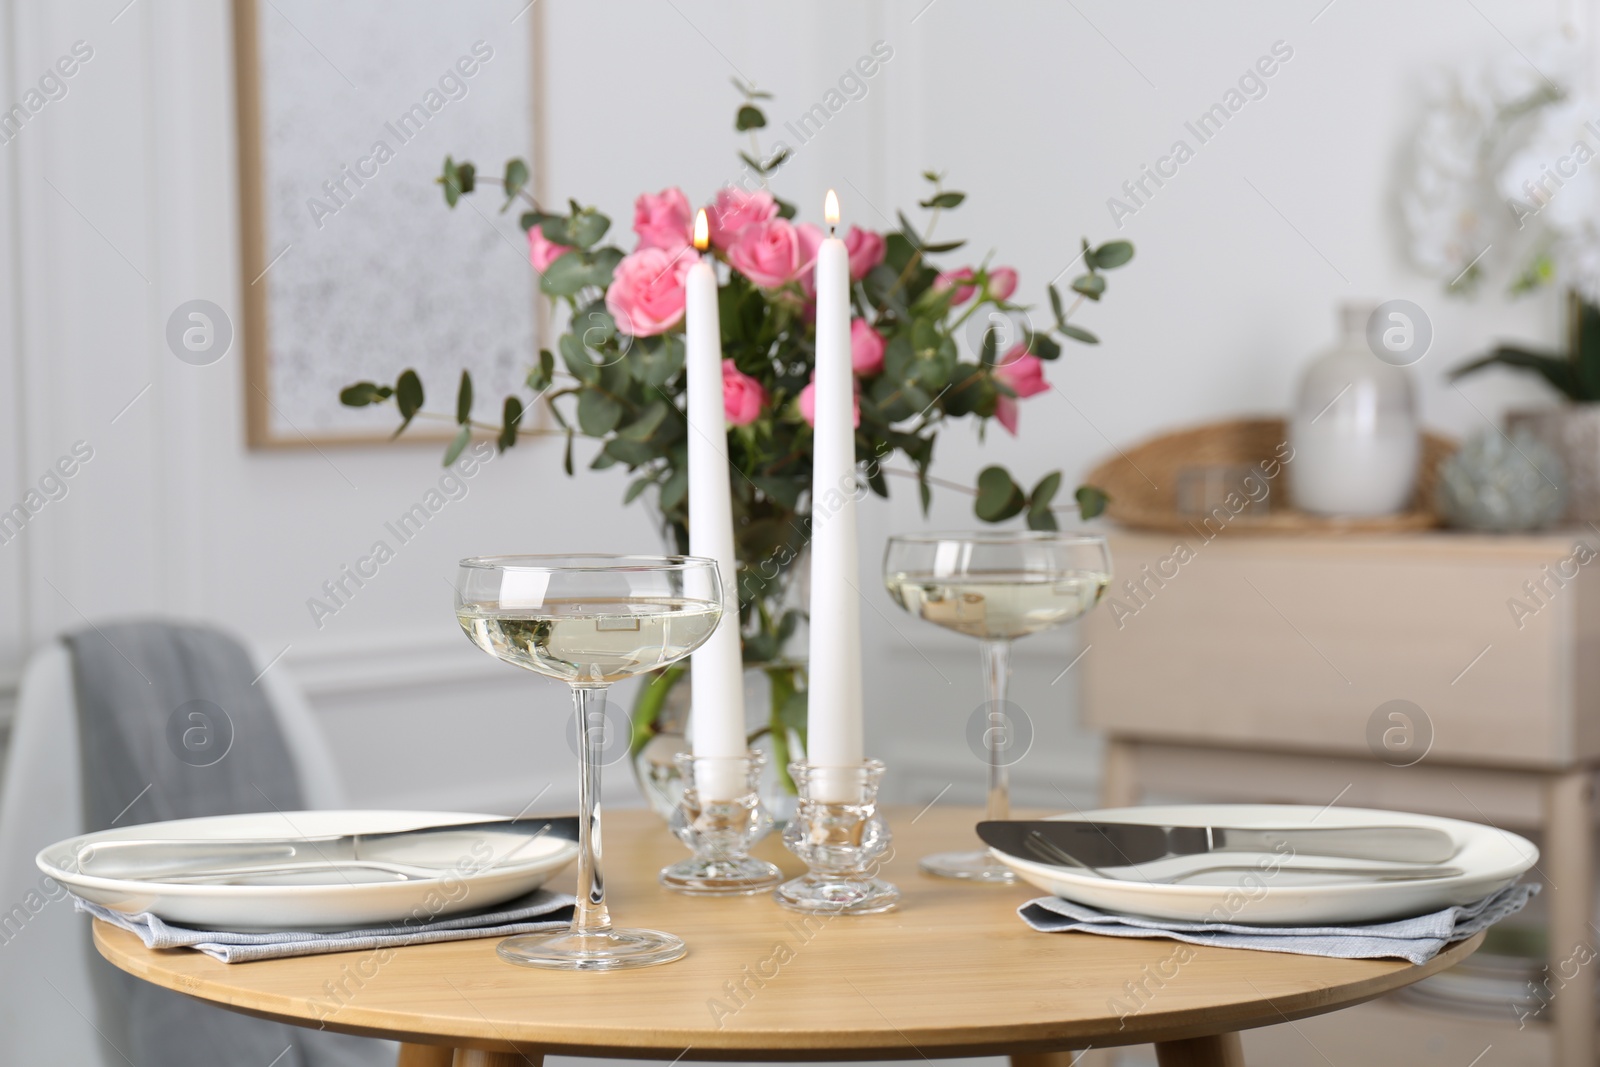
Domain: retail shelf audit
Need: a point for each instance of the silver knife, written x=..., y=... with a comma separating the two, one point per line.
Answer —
x=1118, y=844
x=147, y=858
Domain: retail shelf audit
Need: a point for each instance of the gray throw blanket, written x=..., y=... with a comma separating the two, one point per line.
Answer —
x=171, y=727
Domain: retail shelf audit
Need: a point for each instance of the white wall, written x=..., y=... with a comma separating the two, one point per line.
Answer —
x=118, y=202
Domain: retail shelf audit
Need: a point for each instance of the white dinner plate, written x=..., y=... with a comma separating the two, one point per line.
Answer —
x=470, y=877
x=1271, y=893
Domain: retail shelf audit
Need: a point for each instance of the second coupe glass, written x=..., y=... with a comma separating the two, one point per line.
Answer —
x=996, y=586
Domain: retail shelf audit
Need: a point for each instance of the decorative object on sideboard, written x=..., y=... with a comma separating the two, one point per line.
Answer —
x=1503, y=483
x=1571, y=431
x=1203, y=489
x=1354, y=429
x=1142, y=483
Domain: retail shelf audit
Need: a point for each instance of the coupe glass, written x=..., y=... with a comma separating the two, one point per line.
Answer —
x=589, y=621
x=996, y=586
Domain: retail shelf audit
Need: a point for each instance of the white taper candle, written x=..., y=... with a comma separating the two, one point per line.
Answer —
x=717, y=717
x=834, y=734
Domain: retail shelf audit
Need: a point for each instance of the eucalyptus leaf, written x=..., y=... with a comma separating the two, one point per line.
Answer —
x=576, y=357
x=361, y=394
x=1055, y=305
x=943, y=200
x=457, y=443
x=408, y=397
x=749, y=117
x=510, y=420
x=637, y=486
x=567, y=275
x=598, y=413
x=464, y=399
x=1090, y=285
x=588, y=226
x=1112, y=254
x=1077, y=333
x=515, y=178
x=1091, y=500
x=999, y=497
x=675, y=489
x=543, y=372
x=633, y=453
x=1043, y=346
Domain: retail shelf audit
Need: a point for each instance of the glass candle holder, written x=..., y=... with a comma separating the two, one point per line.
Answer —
x=721, y=833
x=841, y=843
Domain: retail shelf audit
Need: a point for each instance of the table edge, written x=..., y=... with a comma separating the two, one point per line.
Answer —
x=781, y=1045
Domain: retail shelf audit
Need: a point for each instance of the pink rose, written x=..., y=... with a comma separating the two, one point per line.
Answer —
x=663, y=220
x=742, y=395
x=734, y=210
x=1002, y=283
x=542, y=251
x=1025, y=375
x=768, y=253
x=646, y=296
x=866, y=348
x=866, y=251
x=950, y=279
x=808, y=404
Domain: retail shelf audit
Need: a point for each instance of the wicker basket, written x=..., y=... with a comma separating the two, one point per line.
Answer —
x=1142, y=482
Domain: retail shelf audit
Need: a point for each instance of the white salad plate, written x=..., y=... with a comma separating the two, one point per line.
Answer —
x=1270, y=891
x=487, y=869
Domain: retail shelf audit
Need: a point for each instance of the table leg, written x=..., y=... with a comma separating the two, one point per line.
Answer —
x=425, y=1056
x=471, y=1057
x=1089, y=1057
x=1220, y=1050
x=1119, y=781
x=1568, y=859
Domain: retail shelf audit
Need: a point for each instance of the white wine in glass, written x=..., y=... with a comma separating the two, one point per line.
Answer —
x=995, y=586
x=589, y=621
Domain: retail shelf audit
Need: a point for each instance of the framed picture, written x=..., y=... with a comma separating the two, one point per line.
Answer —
x=353, y=266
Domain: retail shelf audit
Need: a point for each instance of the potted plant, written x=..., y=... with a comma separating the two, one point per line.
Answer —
x=616, y=376
x=1502, y=180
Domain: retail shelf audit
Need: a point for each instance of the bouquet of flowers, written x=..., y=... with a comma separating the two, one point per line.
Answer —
x=617, y=372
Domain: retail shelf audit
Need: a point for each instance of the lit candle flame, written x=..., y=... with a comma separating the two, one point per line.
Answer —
x=830, y=208
x=702, y=231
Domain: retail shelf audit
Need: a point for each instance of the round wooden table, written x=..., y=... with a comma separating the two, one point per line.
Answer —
x=952, y=972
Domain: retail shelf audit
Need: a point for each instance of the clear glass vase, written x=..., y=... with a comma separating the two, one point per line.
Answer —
x=773, y=694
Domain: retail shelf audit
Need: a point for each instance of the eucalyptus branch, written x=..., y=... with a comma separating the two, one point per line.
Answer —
x=487, y=427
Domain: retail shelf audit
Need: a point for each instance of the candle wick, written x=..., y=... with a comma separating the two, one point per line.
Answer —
x=833, y=231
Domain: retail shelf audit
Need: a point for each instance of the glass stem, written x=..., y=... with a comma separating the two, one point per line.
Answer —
x=996, y=676
x=590, y=916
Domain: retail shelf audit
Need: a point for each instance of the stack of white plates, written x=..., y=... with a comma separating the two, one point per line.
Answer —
x=455, y=872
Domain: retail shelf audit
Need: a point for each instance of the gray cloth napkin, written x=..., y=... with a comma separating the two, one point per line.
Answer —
x=1417, y=939
x=550, y=910
x=171, y=725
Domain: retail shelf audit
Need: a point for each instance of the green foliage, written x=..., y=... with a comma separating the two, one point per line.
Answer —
x=1575, y=375
x=516, y=177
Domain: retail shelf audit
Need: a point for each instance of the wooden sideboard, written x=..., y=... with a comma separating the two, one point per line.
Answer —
x=1448, y=673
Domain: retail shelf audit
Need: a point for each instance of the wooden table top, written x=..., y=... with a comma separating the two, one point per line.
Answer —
x=952, y=972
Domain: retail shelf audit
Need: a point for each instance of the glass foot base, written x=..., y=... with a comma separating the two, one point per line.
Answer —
x=734, y=876
x=821, y=894
x=567, y=950
x=970, y=866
